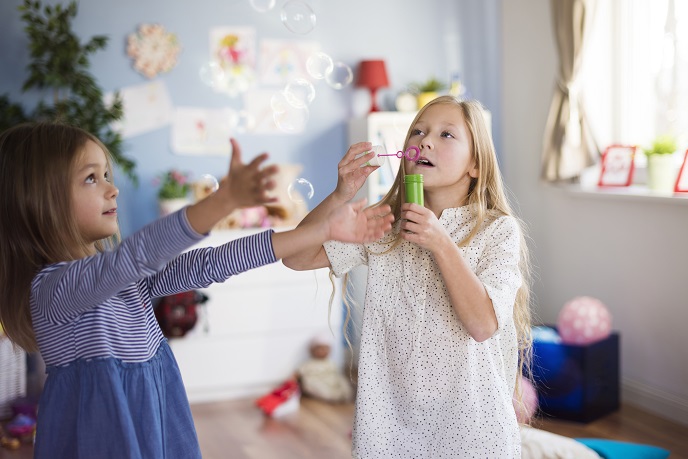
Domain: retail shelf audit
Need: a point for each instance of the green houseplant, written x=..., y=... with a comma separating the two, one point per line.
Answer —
x=59, y=67
x=661, y=165
x=173, y=192
x=427, y=90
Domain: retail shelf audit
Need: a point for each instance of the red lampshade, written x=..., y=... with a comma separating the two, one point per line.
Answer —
x=372, y=75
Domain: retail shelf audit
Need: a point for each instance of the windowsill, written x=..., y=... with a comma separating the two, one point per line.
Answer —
x=637, y=193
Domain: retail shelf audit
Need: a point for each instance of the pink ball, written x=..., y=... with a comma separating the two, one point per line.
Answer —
x=526, y=409
x=584, y=320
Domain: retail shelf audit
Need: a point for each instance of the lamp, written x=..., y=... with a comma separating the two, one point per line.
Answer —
x=372, y=75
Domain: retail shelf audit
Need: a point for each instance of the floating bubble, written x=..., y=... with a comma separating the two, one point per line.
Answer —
x=299, y=92
x=262, y=6
x=279, y=102
x=318, y=65
x=340, y=75
x=300, y=190
x=209, y=183
x=212, y=74
x=292, y=119
x=298, y=17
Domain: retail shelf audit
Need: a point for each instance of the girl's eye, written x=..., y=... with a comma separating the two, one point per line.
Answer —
x=107, y=177
x=91, y=179
x=447, y=134
x=416, y=132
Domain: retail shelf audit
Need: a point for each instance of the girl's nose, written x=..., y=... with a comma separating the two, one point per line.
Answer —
x=114, y=192
x=425, y=143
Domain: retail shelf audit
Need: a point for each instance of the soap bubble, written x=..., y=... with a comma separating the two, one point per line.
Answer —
x=300, y=190
x=209, y=183
x=263, y=6
x=298, y=17
x=340, y=75
x=292, y=119
x=299, y=92
x=318, y=65
x=212, y=74
x=279, y=102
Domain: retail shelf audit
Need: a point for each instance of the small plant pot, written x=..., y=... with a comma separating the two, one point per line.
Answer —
x=661, y=173
x=425, y=97
x=168, y=206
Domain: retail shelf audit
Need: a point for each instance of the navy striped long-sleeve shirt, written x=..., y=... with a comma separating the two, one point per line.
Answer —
x=100, y=306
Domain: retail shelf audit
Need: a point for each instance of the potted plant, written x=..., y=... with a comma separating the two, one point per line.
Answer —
x=428, y=90
x=661, y=165
x=173, y=192
x=59, y=68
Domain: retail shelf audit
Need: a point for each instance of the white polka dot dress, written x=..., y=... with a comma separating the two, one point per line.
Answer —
x=426, y=388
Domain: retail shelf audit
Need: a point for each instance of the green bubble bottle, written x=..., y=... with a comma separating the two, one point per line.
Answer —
x=414, y=188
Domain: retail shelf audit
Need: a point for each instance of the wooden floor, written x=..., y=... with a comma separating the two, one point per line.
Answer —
x=238, y=430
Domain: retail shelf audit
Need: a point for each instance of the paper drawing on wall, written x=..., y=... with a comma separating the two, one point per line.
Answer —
x=147, y=107
x=202, y=131
x=282, y=60
x=153, y=49
x=232, y=59
x=273, y=114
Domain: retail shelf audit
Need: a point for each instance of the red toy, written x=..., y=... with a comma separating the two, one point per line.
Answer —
x=281, y=401
x=177, y=314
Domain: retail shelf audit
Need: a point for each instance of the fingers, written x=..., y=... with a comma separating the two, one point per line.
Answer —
x=356, y=149
x=236, y=152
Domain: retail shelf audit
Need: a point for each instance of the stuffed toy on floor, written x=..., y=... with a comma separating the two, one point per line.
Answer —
x=320, y=378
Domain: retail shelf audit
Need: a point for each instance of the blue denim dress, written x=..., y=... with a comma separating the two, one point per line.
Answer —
x=124, y=410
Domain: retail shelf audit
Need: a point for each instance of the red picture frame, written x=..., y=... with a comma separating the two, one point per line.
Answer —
x=682, y=179
x=618, y=165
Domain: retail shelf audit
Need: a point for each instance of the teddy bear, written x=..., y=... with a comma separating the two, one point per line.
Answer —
x=319, y=377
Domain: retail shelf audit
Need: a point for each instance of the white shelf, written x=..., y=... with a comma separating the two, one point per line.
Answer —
x=255, y=329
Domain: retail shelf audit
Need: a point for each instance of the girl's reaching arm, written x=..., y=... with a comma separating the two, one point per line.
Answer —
x=350, y=178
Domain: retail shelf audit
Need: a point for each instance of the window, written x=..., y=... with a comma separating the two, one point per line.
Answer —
x=635, y=76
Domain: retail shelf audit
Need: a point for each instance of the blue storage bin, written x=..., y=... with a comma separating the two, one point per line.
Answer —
x=577, y=382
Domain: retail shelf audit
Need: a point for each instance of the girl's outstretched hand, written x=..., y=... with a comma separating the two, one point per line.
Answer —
x=350, y=175
x=420, y=226
x=352, y=223
x=247, y=185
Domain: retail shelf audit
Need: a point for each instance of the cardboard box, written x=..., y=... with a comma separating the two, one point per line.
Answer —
x=577, y=382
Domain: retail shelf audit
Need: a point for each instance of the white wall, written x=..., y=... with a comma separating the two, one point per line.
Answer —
x=630, y=253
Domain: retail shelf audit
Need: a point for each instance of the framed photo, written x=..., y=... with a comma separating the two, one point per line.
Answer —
x=618, y=164
x=682, y=179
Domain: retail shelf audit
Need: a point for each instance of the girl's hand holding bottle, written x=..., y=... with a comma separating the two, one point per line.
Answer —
x=420, y=226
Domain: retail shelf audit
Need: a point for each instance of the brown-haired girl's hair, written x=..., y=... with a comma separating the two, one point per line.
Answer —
x=486, y=198
x=36, y=224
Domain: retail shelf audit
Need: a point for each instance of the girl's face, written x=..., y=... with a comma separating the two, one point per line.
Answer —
x=446, y=160
x=93, y=195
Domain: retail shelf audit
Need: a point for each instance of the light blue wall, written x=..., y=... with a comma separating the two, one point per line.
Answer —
x=416, y=38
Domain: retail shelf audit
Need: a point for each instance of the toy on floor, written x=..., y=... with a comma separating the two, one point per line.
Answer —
x=320, y=378
x=584, y=320
x=22, y=427
x=8, y=442
x=281, y=401
x=528, y=404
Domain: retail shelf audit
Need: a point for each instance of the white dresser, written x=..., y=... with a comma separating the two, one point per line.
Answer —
x=255, y=329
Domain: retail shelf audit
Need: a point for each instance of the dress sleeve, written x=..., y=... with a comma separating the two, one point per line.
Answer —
x=64, y=290
x=498, y=268
x=201, y=267
x=345, y=256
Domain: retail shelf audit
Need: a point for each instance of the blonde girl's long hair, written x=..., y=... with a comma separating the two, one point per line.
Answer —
x=486, y=198
x=36, y=223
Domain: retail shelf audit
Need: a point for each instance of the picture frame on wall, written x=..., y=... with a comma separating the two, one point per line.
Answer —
x=682, y=179
x=618, y=165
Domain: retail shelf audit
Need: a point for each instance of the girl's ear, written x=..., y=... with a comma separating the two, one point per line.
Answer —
x=474, y=171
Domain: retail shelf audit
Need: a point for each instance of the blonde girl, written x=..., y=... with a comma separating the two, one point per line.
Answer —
x=446, y=322
x=113, y=388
